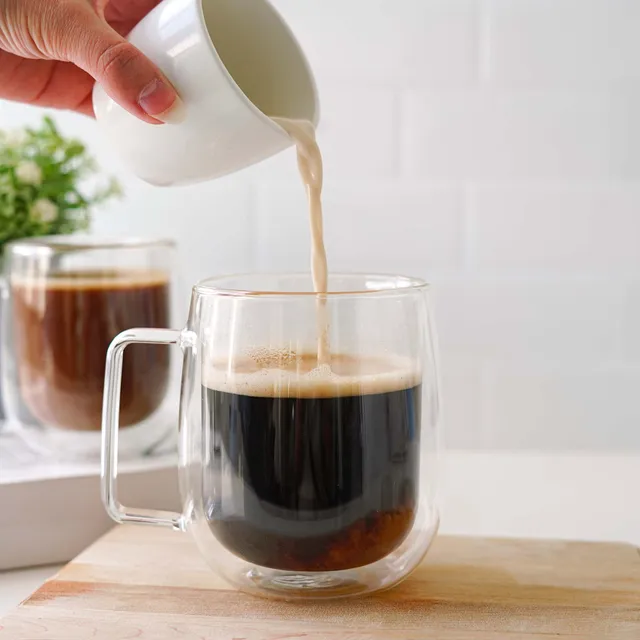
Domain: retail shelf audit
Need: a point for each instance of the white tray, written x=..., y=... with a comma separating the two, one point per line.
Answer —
x=50, y=512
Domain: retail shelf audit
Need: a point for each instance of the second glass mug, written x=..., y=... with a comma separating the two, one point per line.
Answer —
x=299, y=480
x=65, y=299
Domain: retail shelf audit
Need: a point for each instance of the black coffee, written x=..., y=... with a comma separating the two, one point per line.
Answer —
x=321, y=478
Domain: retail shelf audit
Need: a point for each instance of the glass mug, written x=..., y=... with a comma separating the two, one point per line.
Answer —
x=299, y=480
x=66, y=298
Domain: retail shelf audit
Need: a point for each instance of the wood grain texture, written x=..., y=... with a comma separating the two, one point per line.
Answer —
x=152, y=584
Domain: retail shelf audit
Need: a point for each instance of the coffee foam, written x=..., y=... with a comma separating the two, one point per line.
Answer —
x=267, y=372
x=87, y=279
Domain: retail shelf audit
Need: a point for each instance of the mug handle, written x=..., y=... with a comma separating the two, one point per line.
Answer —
x=111, y=423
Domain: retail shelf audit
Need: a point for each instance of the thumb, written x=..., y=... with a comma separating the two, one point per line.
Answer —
x=127, y=76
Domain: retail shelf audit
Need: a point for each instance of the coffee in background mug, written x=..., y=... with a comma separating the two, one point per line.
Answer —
x=68, y=297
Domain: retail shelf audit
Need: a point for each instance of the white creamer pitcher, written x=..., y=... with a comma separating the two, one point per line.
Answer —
x=235, y=64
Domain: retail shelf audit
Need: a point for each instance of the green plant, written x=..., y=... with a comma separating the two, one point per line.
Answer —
x=43, y=184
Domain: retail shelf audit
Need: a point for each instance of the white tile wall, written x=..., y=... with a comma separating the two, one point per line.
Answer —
x=630, y=333
x=529, y=321
x=497, y=135
x=562, y=43
x=563, y=409
x=462, y=388
x=492, y=146
x=372, y=42
x=573, y=229
x=357, y=229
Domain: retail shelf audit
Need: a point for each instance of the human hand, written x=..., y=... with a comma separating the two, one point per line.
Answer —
x=52, y=51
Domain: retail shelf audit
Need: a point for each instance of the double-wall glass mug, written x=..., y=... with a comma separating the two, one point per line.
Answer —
x=66, y=298
x=308, y=431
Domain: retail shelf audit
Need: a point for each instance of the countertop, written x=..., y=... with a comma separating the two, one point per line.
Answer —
x=568, y=496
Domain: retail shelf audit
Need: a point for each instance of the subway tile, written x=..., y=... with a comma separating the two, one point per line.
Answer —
x=367, y=227
x=281, y=235
x=573, y=229
x=531, y=319
x=551, y=409
x=358, y=135
x=400, y=229
x=461, y=390
x=490, y=136
x=410, y=42
x=562, y=43
x=211, y=224
x=630, y=332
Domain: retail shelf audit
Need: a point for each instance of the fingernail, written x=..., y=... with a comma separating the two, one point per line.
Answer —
x=160, y=100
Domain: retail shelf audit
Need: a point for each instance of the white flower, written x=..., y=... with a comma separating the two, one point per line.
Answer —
x=15, y=138
x=44, y=210
x=29, y=172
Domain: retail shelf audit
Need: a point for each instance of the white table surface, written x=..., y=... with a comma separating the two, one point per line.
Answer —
x=581, y=496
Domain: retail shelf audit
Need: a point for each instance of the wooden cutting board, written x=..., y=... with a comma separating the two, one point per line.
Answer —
x=152, y=584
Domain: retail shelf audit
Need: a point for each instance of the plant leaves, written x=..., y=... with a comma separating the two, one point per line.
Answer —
x=65, y=164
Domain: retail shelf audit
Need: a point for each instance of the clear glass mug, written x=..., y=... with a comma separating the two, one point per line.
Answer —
x=65, y=299
x=299, y=480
